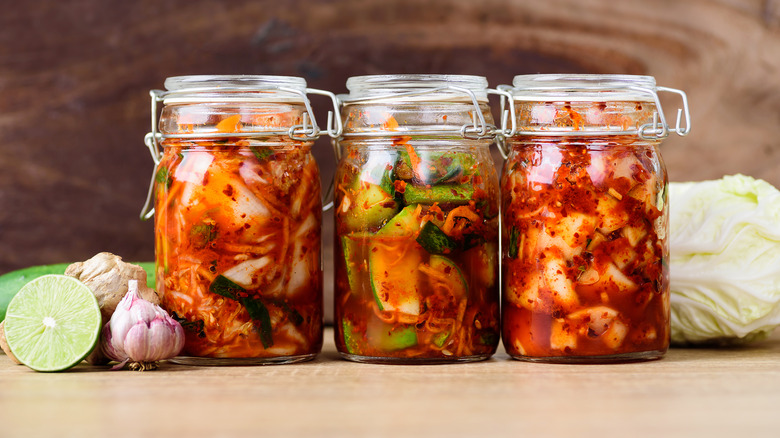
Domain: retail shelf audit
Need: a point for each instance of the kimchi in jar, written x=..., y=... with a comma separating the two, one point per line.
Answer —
x=416, y=200
x=237, y=218
x=585, y=219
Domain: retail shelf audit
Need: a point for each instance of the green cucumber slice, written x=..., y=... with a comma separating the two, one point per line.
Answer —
x=451, y=272
x=392, y=337
x=458, y=194
x=404, y=223
x=434, y=240
x=439, y=339
x=353, y=247
x=350, y=337
x=372, y=206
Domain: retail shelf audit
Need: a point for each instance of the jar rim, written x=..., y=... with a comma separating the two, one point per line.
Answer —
x=416, y=87
x=596, y=87
x=244, y=82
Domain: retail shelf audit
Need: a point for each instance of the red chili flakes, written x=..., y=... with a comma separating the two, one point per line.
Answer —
x=400, y=186
x=228, y=191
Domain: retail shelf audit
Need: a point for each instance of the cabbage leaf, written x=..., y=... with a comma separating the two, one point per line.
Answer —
x=725, y=260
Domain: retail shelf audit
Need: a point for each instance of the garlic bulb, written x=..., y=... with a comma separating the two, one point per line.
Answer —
x=140, y=333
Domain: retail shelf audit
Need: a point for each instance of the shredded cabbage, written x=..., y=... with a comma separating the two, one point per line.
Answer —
x=725, y=260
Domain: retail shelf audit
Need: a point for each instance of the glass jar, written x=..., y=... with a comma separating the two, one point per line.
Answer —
x=585, y=219
x=416, y=221
x=237, y=218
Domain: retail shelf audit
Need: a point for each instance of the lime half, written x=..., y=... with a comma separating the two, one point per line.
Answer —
x=53, y=323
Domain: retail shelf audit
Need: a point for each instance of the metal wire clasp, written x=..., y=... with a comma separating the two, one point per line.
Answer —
x=304, y=132
x=654, y=131
x=151, y=140
x=684, y=111
x=335, y=126
x=479, y=128
x=507, y=115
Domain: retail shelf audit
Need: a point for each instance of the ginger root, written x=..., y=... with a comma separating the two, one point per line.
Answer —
x=4, y=344
x=107, y=276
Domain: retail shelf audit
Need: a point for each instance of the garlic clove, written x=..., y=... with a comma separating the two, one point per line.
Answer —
x=141, y=333
x=140, y=309
x=107, y=346
x=139, y=345
x=160, y=335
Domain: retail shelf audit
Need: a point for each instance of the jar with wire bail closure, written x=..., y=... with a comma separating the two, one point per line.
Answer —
x=416, y=221
x=237, y=213
x=585, y=218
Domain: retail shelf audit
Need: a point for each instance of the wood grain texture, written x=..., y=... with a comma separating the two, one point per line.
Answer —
x=690, y=393
x=74, y=78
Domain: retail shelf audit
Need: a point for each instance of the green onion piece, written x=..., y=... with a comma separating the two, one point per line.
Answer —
x=261, y=319
x=261, y=153
x=513, y=249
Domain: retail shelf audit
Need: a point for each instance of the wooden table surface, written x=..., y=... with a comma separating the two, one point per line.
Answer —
x=720, y=392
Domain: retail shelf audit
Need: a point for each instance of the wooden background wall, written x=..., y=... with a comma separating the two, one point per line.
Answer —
x=75, y=75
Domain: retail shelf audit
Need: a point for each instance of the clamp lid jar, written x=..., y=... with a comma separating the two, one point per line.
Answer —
x=237, y=217
x=416, y=205
x=585, y=218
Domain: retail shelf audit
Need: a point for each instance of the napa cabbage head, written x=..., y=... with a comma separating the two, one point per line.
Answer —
x=725, y=260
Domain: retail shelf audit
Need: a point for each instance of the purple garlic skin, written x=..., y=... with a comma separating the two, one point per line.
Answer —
x=140, y=333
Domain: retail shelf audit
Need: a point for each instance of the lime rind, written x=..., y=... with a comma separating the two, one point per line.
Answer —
x=53, y=323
